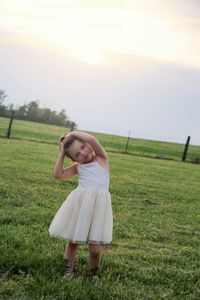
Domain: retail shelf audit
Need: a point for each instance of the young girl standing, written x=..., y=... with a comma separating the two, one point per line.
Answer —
x=86, y=214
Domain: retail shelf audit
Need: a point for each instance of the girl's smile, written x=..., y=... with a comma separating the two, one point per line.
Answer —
x=81, y=152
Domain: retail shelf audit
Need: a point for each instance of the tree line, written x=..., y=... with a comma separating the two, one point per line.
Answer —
x=33, y=112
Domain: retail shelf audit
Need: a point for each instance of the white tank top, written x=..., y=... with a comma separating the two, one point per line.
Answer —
x=93, y=176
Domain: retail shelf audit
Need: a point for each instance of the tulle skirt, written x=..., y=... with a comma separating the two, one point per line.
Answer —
x=84, y=217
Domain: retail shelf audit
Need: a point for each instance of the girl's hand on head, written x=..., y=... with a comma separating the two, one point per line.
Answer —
x=67, y=135
x=63, y=139
x=61, y=146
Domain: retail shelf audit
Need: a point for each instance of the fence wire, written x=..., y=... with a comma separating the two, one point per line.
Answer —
x=27, y=130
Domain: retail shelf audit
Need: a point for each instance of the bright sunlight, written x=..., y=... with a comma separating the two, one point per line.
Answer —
x=95, y=35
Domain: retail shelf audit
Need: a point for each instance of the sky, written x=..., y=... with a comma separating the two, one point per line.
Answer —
x=117, y=67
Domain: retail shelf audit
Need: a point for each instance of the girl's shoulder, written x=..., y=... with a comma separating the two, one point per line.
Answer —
x=103, y=162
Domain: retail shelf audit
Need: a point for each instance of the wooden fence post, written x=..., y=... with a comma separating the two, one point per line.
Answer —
x=186, y=149
x=10, y=124
x=127, y=142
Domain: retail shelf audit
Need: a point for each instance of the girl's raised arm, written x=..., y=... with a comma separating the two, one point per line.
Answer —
x=59, y=171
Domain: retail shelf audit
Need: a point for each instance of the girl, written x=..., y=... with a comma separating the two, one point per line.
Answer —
x=86, y=214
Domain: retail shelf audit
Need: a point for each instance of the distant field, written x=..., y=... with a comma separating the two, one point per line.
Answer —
x=141, y=147
x=156, y=237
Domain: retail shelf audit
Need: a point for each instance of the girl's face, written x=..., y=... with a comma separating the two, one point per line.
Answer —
x=81, y=152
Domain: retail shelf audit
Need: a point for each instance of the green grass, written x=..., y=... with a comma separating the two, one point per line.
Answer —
x=49, y=134
x=155, y=251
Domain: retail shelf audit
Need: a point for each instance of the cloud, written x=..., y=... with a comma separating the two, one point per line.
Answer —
x=133, y=64
x=151, y=99
x=90, y=30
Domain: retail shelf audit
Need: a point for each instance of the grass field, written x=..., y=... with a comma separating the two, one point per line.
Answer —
x=155, y=251
x=49, y=134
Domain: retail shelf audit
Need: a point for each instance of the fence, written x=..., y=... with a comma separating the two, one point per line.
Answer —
x=49, y=134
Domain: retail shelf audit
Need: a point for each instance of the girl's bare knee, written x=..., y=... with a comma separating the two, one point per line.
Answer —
x=72, y=244
x=95, y=250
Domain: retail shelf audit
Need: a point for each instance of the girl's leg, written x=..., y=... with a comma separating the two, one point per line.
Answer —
x=71, y=252
x=95, y=256
x=69, y=258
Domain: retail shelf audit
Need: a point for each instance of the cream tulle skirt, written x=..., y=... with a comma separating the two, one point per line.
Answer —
x=85, y=216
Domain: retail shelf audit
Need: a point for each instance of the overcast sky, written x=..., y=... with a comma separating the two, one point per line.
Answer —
x=114, y=66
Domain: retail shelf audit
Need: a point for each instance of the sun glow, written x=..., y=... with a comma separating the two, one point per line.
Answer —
x=93, y=35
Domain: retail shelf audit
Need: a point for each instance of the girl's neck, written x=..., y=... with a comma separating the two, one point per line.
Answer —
x=91, y=161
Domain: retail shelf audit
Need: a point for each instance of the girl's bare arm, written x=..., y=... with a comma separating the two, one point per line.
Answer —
x=59, y=171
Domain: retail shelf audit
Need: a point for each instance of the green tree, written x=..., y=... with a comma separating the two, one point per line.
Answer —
x=3, y=96
x=21, y=112
x=3, y=108
x=33, y=111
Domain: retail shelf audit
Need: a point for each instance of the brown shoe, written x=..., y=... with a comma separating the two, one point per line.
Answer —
x=69, y=271
x=94, y=273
